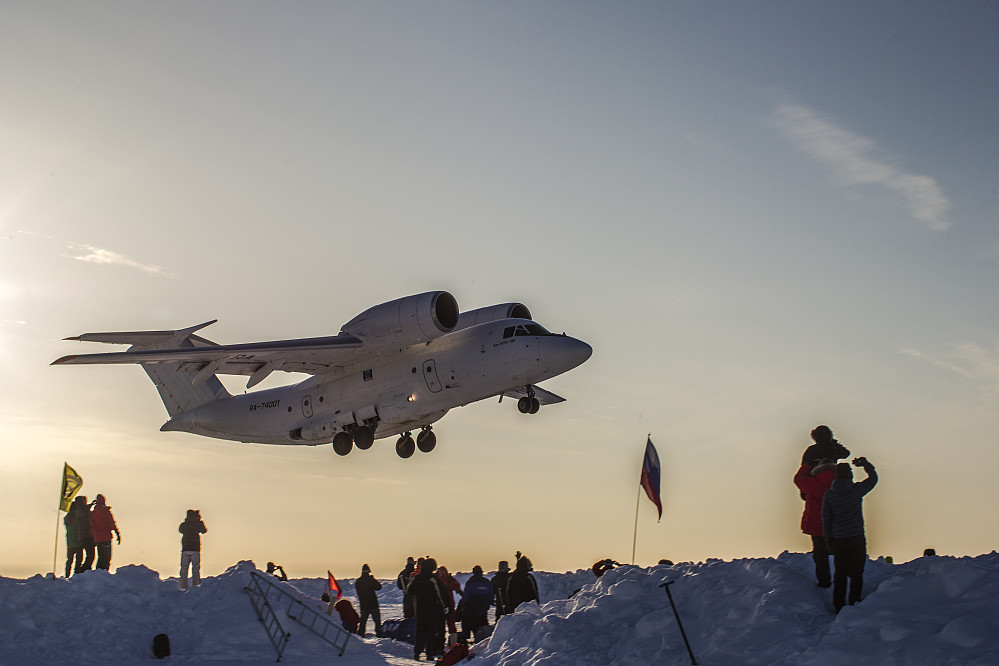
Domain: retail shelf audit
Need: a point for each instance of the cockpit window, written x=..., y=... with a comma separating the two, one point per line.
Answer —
x=525, y=329
x=508, y=332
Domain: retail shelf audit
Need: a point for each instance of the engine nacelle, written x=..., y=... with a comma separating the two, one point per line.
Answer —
x=406, y=321
x=492, y=313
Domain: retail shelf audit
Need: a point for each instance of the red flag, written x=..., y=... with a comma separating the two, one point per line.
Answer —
x=334, y=586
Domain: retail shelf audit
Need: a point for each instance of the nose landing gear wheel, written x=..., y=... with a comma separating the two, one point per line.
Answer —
x=528, y=405
x=342, y=443
x=535, y=406
x=426, y=440
x=364, y=438
x=405, y=447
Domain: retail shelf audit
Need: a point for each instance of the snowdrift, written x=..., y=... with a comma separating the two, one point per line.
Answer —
x=933, y=610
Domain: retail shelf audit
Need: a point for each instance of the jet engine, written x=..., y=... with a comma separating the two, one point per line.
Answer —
x=406, y=321
x=492, y=313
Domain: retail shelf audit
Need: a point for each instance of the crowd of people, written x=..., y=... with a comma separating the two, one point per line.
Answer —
x=833, y=516
x=429, y=599
x=89, y=528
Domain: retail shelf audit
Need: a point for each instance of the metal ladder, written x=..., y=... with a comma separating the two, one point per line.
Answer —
x=269, y=598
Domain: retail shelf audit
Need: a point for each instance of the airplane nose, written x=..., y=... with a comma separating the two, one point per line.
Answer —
x=562, y=353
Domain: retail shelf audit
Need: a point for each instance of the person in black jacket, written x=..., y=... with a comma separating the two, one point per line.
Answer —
x=402, y=581
x=78, y=537
x=430, y=610
x=843, y=527
x=825, y=446
x=190, y=547
x=500, y=580
x=366, y=586
x=522, y=586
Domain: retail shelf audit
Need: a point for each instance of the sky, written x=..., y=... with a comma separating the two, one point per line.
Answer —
x=761, y=217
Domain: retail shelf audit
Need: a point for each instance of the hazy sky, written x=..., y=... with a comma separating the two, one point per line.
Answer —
x=762, y=216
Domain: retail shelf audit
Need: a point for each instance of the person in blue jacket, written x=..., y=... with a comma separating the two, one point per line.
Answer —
x=843, y=527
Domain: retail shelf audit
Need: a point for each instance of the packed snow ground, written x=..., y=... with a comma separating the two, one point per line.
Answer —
x=933, y=610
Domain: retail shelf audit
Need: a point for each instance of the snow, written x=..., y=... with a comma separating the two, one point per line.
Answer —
x=932, y=610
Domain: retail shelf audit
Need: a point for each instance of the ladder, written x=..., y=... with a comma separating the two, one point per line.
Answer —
x=271, y=599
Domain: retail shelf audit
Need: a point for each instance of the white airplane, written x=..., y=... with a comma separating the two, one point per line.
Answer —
x=392, y=369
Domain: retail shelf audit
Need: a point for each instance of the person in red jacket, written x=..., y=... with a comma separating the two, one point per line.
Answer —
x=102, y=525
x=452, y=586
x=813, y=480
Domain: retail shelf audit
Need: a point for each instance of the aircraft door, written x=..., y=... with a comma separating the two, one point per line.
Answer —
x=307, y=406
x=430, y=375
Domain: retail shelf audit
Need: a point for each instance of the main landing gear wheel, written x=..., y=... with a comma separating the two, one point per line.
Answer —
x=529, y=405
x=364, y=438
x=426, y=440
x=405, y=447
x=342, y=443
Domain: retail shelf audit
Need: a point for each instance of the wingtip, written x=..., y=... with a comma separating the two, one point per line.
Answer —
x=64, y=359
x=75, y=338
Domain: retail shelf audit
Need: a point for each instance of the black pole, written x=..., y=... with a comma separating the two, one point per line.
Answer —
x=678, y=623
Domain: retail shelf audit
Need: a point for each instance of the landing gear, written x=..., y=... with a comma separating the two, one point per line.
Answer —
x=426, y=440
x=364, y=437
x=342, y=443
x=405, y=447
x=529, y=404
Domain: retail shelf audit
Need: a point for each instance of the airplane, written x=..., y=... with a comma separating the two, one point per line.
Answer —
x=394, y=368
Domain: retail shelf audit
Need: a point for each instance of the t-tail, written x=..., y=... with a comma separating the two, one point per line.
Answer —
x=182, y=385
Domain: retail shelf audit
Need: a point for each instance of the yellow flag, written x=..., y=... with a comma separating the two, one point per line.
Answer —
x=71, y=482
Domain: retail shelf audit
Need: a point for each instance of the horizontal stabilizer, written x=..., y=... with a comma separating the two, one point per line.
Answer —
x=147, y=339
x=544, y=397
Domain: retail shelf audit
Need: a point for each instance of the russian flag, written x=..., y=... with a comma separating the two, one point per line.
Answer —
x=650, y=476
x=334, y=586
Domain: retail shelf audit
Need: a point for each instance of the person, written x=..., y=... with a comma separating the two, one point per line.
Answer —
x=500, y=581
x=77, y=518
x=190, y=547
x=813, y=481
x=843, y=526
x=450, y=585
x=402, y=581
x=476, y=598
x=825, y=446
x=102, y=525
x=349, y=618
x=430, y=609
x=522, y=586
x=603, y=566
x=273, y=570
x=366, y=587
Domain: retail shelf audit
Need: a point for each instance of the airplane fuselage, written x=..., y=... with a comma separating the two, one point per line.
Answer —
x=395, y=392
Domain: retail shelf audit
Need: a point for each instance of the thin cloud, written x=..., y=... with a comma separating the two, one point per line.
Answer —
x=96, y=255
x=852, y=160
x=967, y=360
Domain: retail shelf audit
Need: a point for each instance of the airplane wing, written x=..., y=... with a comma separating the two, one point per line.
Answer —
x=544, y=397
x=205, y=358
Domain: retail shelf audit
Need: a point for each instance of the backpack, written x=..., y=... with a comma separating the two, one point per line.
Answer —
x=455, y=653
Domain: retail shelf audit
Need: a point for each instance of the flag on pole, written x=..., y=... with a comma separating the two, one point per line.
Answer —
x=71, y=482
x=334, y=586
x=650, y=476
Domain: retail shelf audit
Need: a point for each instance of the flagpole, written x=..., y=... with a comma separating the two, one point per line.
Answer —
x=634, y=538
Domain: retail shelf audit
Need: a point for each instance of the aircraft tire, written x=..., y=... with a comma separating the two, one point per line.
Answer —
x=524, y=405
x=405, y=447
x=342, y=443
x=364, y=438
x=535, y=406
x=426, y=441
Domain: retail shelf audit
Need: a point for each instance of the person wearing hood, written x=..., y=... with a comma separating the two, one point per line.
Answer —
x=500, y=580
x=522, y=586
x=843, y=526
x=78, y=537
x=430, y=608
x=402, y=581
x=813, y=480
x=190, y=547
x=825, y=446
x=102, y=525
x=366, y=587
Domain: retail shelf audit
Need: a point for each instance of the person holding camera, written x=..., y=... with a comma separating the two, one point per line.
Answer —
x=843, y=526
x=190, y=546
